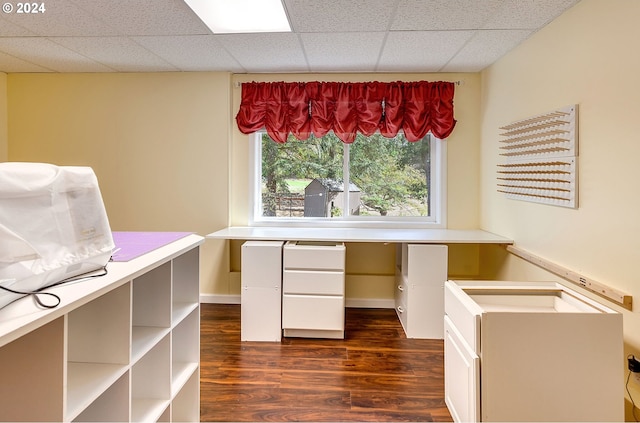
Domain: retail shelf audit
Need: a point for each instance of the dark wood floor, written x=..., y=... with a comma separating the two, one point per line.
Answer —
x=374, y=374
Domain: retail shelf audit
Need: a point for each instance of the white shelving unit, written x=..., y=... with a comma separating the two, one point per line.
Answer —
x=123, y=347
x=421, y=271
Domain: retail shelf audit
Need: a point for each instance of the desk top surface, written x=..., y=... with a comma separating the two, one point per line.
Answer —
x=422, y=236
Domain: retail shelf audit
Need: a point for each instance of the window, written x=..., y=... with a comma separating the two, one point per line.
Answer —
x=389, y=181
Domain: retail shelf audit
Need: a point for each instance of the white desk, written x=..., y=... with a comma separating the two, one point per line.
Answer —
x=418, y=236
x=421, y=268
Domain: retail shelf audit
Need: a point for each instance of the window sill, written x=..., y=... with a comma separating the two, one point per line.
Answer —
x=388, y=223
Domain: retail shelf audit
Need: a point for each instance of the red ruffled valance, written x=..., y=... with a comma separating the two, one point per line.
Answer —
x=302, y=109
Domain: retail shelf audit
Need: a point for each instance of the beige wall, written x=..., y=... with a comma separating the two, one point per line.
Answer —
x=157, y=142
x=4, y=142
x=168, y=156
x=586, y=57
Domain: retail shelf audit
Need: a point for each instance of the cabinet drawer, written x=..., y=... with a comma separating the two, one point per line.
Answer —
x=314, y=255
x=313, y=282
x=312, y=312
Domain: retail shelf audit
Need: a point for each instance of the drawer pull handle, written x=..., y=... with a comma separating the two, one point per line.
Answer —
x=400, y=309
x=400, y=288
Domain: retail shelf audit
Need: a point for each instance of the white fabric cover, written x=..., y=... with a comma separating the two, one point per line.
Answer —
x=53, y=225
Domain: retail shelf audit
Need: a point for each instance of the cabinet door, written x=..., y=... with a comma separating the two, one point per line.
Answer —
x=461, y=376
x=261, y=264
x=260, y=314
x=426, y=275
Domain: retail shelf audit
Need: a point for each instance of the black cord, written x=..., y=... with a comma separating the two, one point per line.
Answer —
x=35, y=297
x=633, y=404
x=57, y=299
x=87, y=275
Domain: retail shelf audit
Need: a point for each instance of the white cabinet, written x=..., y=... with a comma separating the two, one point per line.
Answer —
x=122, y=347
x=462, y=371
x=261, y=295
x=421, y=271
x=530, y=351
x=313, y=289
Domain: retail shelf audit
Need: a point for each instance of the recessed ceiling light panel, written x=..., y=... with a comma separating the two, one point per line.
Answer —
x=238, y=16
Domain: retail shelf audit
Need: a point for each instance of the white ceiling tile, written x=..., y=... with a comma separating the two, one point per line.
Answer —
x=47, y=54
x=60, y=18
x=354, y=51
x=9, y=29
x=192, y=52
x=484, y=48
x=144, y=17
x=421, y=51
x=527, y=14
x=340, y=15
x=118, y=53
x=10, y=64
x=329, y=36
x=436, y=15
x=281, y=52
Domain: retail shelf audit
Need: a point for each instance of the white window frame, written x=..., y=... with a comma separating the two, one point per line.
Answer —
x=438, y=204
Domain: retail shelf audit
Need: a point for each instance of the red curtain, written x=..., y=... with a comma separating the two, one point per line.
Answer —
x=316, y=108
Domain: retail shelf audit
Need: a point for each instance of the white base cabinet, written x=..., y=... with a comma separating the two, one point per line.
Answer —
x=123, y=347
x=421, y=271
x=530, y=351
x=261, y=295
x=313, y=289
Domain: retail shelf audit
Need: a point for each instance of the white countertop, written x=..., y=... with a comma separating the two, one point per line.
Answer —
x=422, y=236
x=23, y=316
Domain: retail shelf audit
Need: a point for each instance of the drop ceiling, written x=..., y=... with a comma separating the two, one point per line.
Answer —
x=328, y=36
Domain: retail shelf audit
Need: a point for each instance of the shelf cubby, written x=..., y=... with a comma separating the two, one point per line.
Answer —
x=24, y=364
x=111, y=406
x=98, y=343
x=186, y=405
x=186, y=285
x=151, y=312
x=185, y=355
x=151, y=383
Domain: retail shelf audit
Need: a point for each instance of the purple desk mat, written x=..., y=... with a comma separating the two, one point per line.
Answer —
x=130, y=245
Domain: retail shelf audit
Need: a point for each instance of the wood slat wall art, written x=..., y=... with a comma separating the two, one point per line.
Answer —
x=540, y=157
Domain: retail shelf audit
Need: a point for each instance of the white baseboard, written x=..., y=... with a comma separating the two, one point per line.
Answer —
x=219, y=299
x=370, y=303
x=349, y=302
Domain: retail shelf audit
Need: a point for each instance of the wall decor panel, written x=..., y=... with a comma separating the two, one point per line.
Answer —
x=540, y=155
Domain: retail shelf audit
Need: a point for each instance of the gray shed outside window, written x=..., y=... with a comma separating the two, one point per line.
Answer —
x=325, y=198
